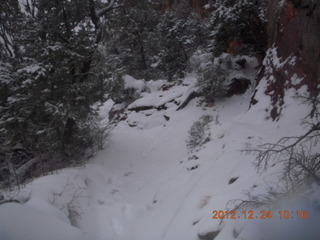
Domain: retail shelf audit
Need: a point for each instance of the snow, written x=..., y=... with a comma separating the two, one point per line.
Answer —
x=272, y=59
x=23, y=4
x=200, y=60
x=295, y=80
x=281, y=3
x=18, y=221
x=146, y=184
x=130, y=82
x=153, y=86
x=292, y=227
x=23, y=7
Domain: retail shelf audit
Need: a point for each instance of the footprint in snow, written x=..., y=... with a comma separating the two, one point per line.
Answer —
x=114, y=191
x=128, y=174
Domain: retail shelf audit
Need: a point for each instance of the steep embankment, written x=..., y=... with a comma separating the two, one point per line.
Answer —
x=292, y=58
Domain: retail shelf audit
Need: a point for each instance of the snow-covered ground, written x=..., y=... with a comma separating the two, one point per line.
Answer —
x=146, y=184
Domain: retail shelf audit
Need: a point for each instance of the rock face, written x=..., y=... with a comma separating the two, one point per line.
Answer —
x=293, y=57
x=238, y=86
x=295, y=29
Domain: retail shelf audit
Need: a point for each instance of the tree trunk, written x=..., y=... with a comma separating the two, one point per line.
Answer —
x=68, y=131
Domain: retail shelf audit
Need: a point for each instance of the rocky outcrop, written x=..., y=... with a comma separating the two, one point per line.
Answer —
x=295, y=29
x=238, y=86
x=293, y=57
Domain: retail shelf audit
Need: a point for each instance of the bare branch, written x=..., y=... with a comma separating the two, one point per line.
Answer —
x=96, y=14
x=280, y=149
x=102, y=11
x=93, y=14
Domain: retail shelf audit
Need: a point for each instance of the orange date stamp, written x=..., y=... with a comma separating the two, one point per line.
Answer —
x=285, y=214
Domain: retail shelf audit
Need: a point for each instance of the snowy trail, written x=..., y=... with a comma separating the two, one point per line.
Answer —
x=137, y=167
x=192, y=187
x=148, y=170
x=149, y=176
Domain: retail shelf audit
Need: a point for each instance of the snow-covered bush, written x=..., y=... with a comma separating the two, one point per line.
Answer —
x=124, y=89
x=226, y=76
x=199, y=133
x=211, y=82
x=116, y=87
x=200, y=60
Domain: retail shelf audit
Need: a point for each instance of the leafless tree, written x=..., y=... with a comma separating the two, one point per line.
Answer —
x=299, y=155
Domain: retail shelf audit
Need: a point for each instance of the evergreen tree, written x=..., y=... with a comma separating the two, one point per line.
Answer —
x=131, y=40
x=142, y=42
x=212, y=82
x=50, y=88
x=10, y=16
x=237, y=25
x=180, y=35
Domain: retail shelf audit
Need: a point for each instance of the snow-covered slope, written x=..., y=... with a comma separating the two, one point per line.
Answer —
x=146, y=184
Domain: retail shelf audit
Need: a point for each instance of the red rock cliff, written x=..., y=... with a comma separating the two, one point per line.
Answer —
x=293, y=58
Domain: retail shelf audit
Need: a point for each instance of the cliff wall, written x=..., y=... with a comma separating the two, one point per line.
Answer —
x=293, y=56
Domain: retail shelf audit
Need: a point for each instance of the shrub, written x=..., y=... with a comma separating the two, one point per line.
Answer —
x=124, y=88
x=199, y=133
x=212, y=82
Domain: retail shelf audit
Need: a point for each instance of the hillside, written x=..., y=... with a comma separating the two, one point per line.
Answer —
x=146, y=184
x=161, y=120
